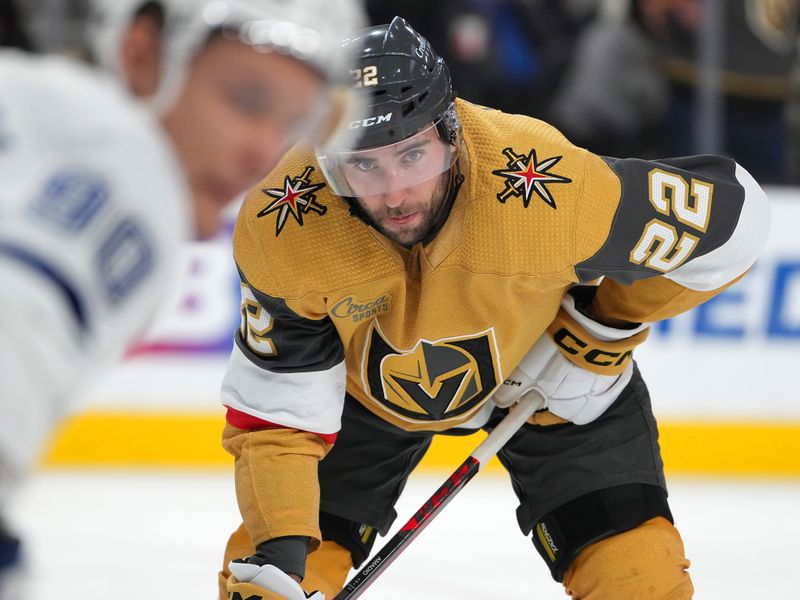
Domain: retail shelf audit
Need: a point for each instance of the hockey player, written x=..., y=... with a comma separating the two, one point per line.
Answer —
x=391, y=287
x=104, y=177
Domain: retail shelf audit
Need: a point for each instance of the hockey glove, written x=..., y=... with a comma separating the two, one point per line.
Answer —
x=579, y=365
x=264, y=582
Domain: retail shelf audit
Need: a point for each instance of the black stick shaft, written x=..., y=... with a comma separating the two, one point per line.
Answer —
x=392, y=549
x=446, y=492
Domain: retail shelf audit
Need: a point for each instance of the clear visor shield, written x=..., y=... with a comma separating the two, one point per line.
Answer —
x=385, y=169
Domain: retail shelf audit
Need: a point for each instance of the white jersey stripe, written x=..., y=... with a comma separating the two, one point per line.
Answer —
x=311, y=401
x=724, y=264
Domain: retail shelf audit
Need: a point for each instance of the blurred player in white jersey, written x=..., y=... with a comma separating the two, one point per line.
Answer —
x=106, y=172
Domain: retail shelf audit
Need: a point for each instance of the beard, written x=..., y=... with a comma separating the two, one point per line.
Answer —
x=428, y=209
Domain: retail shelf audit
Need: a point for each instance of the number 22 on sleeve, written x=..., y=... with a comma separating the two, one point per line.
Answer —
x=660, y=247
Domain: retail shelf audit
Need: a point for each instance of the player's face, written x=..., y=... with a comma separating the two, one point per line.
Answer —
x=403, y=214
x=238, y=112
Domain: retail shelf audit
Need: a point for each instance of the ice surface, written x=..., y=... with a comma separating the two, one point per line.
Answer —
x=145, y=535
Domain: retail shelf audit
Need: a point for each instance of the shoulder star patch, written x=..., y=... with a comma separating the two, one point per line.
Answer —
x=525, y=175
x=296, y=198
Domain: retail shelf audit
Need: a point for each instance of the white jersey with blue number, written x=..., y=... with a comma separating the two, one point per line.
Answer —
x=93, y=212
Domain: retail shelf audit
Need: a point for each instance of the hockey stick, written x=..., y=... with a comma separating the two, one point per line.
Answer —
x=504, y=431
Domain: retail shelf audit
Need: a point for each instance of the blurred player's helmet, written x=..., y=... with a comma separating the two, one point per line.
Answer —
x=310, y=30
x=407, y=97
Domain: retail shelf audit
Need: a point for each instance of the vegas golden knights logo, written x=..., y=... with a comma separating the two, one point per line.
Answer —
x=297, y=197
x=432, y=381
x=525, y=174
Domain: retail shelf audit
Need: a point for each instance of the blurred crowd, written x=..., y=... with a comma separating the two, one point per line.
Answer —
x=632, y=77
x=649, y=78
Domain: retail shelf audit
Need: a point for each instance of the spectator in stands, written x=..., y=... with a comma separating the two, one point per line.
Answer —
x=759, y=49
x=509, y=54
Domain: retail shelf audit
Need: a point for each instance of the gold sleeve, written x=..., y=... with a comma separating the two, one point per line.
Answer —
x=598, y=204
x=647, y=300
x=277, y=485
x=248, y=251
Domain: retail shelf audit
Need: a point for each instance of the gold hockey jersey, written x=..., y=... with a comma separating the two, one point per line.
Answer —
x=426, y=334
x=422, y=336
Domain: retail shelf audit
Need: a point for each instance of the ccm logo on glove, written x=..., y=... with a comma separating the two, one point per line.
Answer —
x=579, y=366
x=604, y=357
x=571, y=344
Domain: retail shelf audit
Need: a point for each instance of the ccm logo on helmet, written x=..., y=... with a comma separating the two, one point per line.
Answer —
x=595, y=356
x=371, y=121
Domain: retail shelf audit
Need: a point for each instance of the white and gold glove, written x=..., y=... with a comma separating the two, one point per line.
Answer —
x=264, y=582
x=579, y=365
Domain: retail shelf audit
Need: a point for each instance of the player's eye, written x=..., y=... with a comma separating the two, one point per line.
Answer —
x=365, y=164
x=413, y=156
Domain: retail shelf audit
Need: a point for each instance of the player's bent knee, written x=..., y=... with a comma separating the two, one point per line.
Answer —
x=644, y=563
x=561, y=534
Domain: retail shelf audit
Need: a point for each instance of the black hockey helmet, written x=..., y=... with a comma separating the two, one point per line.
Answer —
x=406, y=91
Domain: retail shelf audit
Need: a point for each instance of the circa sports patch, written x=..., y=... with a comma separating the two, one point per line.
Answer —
x=524, y=174
x=297, y=197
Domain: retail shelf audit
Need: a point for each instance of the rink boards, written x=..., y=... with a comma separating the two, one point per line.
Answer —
x=723, y=378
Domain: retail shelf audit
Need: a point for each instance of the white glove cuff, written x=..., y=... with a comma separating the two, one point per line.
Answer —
x=602, y=332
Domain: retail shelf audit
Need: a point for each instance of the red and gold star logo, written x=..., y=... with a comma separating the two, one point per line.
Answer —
x=296, y=198
x=525, y=174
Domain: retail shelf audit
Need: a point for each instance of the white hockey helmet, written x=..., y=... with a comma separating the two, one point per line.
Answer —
x=309, y=30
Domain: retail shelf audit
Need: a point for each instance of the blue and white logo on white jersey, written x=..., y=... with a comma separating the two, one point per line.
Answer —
x=71, y=198
x=124, y=260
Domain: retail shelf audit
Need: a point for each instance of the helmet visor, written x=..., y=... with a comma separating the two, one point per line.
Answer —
x=385, y=169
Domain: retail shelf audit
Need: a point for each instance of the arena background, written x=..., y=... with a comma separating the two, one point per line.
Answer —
x=720, y=376
x=135, y=494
